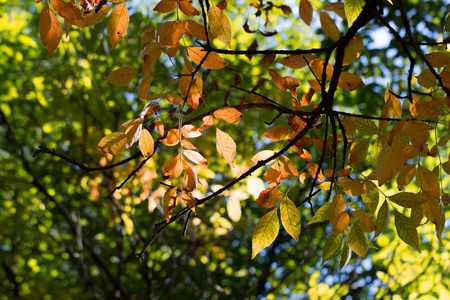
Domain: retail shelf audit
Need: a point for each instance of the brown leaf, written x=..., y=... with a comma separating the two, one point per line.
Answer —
x=118, y=24
x=49, y=30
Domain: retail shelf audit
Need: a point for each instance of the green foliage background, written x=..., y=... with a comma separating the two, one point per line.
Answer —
x=59, y=237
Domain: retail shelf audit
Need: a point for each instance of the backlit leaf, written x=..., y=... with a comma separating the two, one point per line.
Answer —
x=265, y=232
x=170, y=32
x=408, y=200
x=268, y=198
x=296, y=61
x=366, y=126
x=357, y=240
x=353, y=50
x=146, y=143
x=118, y=24
x=355, y=187
x=67, y=10
x=349, y=125
x=262, y=155
x=329, y=27
x=407, y=230
x=276, y=133
x=349, y=81
x=92, y=17
x=418, y=133
x=290, y=218
x=165, y=6
x=382, y=219
x=229, y=114
x=367, y=223
x=49, y=30
x=195, y=157
x=341, y=222
x=427, y=181
x=358, y=151
x=212, y=61
x=337, y=206
x=169, y=202
x=332, y=246
x=220, y=25
x=121, y=76
x=173, y=167
x=390, y=161
x=345, y=256
x=371, y=197
x=306, y=11
x=133, y=131
x=352, y=9
x=225, y=146
x=321, y=214
x=190, y=178
x=426, y=79
x=113, y=143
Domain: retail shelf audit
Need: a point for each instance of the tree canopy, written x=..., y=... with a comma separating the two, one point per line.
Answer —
x=213, y=149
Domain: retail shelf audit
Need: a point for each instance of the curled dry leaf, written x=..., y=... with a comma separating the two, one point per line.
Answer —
x=173, y=138
x=170, y=201
x=189, y=131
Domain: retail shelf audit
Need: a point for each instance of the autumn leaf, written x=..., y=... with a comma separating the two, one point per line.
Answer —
x=341, y=222
x=349, y=81
x=208, y=60
x=290, y=218
x=306, y=11
x=358, y=151
x=329, y=27
x=92, y=17
x=170, y=32
x=418, y=133
x=225, y=146
x=268, y=198
x=352, y=50
x=382, y=220
x=118, y=24
x=371, y=197
x=173, y=167
x=195, y=157
x=229, y=114
x=220, y=25
x=427, y=181
x=148, y=35
x=337, y=206
x=121, y=76
x=321, y=214
x=133, y=132
x=364, y=219
x=173, y=138
x=276, y=133
x=263, y=155
x=165, y=6
x=146, y=143
x=296, y=61
x=265, y=232
x=390, y=161
x=67, y=10
x=49, y=30
x=332, y=246
x=357, y=240
x=407, y=230
x=113, y=143
x=352, y=9
x=345, y=256
x=169, y=202
x=190, y=178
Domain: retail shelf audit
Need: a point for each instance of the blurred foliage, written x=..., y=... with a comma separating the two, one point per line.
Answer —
x=59, y=237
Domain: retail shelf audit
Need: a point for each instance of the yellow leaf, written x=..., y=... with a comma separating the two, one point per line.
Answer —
x=287, y=168
x=118, y=24
x=159, y=126
x=358, y=151
x=413, y=106
x=329, y=27
x=296, y=61
x=195, y=157
x=220, y=25
x=428, y=109
x=170, y=201
x=190, y=200
x=67, y=10
x=212, y=61
x=113, y=143
x=321, y=214
x=225, y=146
x=121, y=76
x=337, y=206
x=268, y=198
x=317, y=68
x=229, y=114
x=426, y=79
x=418, y=134
x=170, y=32
x=367, y=223
x=144, y=87
x=341, y=222
x=427, y=181
x=313, y=169
x=438, y=59
x=265, y=232
x=133, y=132
x=92, y=17
x=146, y=143
x=173, y=138
x=349, y=81
x=353, y=50
x=173, y=167
x=290, y=218
x=407, y=173
x=197, y=31
x=49, y=30
x=355, y=187
x=390, y=161
x=190, y=178
x=306, y=11
x=189, y=131
x=277, y=133
x=349, y=125
x=151, y=54
x=352, y=9
x=262, y=155
x=357, y=240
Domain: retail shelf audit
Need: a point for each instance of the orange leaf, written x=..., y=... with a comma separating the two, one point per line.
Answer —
x=349, y=81
x=159, y=126
x=133, y=132
x=418, y=134
x=268, y=198
x=208, y=121
x=146, y=143
x=212, y=61
x=113, y=143
x=92, y=17
x=296, y=61
x=317, y=68
x=151, y=54
x=341, y=222
x=144, y=87
x=148, y=35
x=118, y=24
x=367, y=223
x=190, y=178
x=225, y=146
x=187, y=8
x=121, y=76
x=173, y=167
x=262, y=155
x=276, y=133
x=49, y=30
x=165, y=6
x=171, y=32
x=188, y=145
x=329, y=27
x=172, y=139
x=197, y=31
x=67, y=10
x=336, y=207
x=189, y=131
x=170, y=201
x=195, y=157
x=273, y=175
x=306, y=11
x=313, y=169
x=229, y=114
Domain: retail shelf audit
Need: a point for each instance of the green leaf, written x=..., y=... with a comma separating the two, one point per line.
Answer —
x=290, y=217
x=332, y=245
x=357, y=240
x=366, y=126
x=265, y=232
x=417, y=215
x=345, y=256
x=382, y=219
x=406, y=199
x=352, y=9
x=376, y=149
x=321, y=214
x=407, y=230
x=371, y=197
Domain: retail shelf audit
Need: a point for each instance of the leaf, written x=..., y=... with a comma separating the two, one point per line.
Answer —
x=290, y=218
x=188, y=199
x=133, y=131
x=349, y=125
x=148, y=35
x=225, y=146
x=169, y=202
x=113, y=143
x=165, y=6
x=212, y=61
x=407, y=230
x=349, y=81
x=352, y=50
x=273, y=175
x=197, y=31
x=366, y=126
x=332, y=246
x=382, y=219
x=151, y=54
x=341, y=222
x=357, y=240
x=367, y=223
x=352, y=9
x=190, y=178
x=345, y=256
x=438, y=59
x=329, y=27
x=144, y=87
x=276, y=133
x=121, y=76
x=408, y=200
x=428, y=109
x=443, y=140
x=92, y=18
x=317, y=67
x=432, y=210
x=189, y=131
x=376, y=149
x=390, y=161
x=187, y=8
x=371, y=197
x=427, y=181
x=320, y=215
x=173, y=167
x=418, y=133
x=208, y=121
x=118, y=24
x=296, y=61
x=220, y=25
x=268, y=198
x=170, y=32
x=355, y=187
x=265, y=232
x=426, y=79
x=337, y=206
x=287, y=167
x=67, y=10
x=229, y=114
x=195, y=157
x=358, y=151
x=306, y=11
x=49, y=30
x=146, y=143
x=234, y=209
x=262, y=155
x=191, y=87
x=173, y=138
